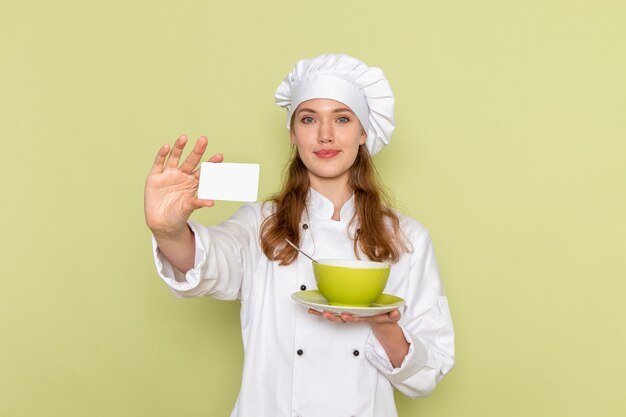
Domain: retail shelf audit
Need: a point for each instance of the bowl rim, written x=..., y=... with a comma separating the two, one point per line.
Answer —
x=368, y=264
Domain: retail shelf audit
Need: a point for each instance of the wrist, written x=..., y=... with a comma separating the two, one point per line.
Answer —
x=172, y=234
x=383, y=329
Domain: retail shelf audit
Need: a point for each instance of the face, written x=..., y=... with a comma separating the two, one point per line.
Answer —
x=327, y=134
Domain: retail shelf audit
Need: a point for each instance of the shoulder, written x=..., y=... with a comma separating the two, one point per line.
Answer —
x=412, y=230
x=256, y=211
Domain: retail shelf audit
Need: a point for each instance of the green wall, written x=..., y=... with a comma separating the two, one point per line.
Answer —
x=510, y=148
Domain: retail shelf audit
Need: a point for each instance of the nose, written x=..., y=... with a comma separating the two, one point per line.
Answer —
x=326, y=134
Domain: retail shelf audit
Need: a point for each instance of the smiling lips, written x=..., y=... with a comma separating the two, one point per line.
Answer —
x=326, y=153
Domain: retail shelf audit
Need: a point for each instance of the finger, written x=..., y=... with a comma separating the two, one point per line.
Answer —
x=177, y=151
x=157, y=166
x=332, y=317
x=195, y=156
x=349, y=318
x=218, y=157
x=315, y=312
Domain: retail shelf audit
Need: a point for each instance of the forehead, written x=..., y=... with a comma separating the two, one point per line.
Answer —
x=322, y=105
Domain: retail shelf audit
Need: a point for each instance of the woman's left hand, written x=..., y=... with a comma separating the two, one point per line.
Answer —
x=384, y=326
x=385, y=318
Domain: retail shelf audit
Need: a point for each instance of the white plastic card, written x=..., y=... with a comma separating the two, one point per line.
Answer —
x=228, y=181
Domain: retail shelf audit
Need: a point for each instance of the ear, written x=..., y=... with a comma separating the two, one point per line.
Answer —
x=363, y=137
x=292, y=136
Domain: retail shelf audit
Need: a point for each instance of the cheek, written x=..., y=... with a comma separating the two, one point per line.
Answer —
x=303, y=137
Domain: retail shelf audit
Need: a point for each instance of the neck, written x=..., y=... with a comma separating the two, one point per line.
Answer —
x=334, y=189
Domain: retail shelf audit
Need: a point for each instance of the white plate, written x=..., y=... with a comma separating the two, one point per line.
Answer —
x=315, y=300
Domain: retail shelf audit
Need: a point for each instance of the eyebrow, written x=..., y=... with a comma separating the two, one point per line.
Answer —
x=337, y=110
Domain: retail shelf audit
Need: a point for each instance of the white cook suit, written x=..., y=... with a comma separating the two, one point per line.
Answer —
x=297, y=364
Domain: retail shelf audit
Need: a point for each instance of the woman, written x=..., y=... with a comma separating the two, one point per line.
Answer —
x=299, y=362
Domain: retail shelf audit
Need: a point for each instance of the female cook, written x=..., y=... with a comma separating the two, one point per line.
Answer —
x=299, y=362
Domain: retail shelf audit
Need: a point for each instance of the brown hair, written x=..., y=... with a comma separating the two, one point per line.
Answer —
x=378, y=237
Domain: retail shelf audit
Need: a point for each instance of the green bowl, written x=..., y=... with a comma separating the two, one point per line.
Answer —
x=350, y=282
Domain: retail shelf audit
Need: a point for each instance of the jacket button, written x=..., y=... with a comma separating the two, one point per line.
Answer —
x=300, y=352
x=305, y=226
x=355, y=352
x=303, y=287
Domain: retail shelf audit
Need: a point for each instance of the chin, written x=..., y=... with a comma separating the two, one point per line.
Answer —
x=328, y=174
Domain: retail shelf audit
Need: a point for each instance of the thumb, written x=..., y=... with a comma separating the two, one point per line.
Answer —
x=394, y=315
x=199, y=203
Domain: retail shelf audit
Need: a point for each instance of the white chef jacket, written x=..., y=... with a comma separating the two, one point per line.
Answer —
x=297, y=364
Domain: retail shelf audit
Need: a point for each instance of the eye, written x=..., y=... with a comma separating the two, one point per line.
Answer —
x=343, y=119
x=307, y=119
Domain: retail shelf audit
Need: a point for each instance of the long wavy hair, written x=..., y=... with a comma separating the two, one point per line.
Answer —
x=378, y=235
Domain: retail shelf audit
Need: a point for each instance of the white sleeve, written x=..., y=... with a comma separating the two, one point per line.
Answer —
x=427, y=327
x=224, y=255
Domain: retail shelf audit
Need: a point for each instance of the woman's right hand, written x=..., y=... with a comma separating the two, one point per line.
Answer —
x=170, y=191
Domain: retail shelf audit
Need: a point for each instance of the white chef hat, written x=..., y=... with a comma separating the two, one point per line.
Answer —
x=343, y=78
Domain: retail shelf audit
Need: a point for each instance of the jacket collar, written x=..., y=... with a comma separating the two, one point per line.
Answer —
x=321, y=208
